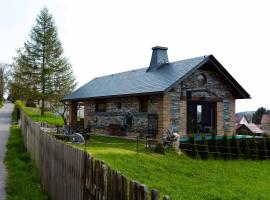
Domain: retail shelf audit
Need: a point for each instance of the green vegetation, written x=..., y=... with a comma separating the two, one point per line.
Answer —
x=35, y=114
x=23, y=181
x=182, y=177
x=40, y=71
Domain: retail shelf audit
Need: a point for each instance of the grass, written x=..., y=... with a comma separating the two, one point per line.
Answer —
x=181, y=177
x=34, y=113
x=23, y=181
x=48, y=117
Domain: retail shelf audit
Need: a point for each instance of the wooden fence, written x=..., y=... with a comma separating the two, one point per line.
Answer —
x=68, y=173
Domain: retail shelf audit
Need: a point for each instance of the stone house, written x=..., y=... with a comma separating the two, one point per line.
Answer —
x=192, y=95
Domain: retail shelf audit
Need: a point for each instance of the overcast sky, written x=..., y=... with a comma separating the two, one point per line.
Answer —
x=104, y=37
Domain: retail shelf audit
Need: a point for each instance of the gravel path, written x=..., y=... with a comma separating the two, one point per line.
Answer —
x=5, y=122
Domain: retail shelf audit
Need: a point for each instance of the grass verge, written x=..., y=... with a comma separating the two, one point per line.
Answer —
x=181, y=177
x=23, y=181
x=34, y=113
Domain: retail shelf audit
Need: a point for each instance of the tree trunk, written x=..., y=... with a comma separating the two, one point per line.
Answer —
x=42, y=106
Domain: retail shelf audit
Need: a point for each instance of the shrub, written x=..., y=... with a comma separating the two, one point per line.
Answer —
x=253, y=148
x=225, y=147
x=203, y=148
x=263, y=149
x=159, y=148
x=244, y=147
x=192, y=147
x=268, y=145
x=234, y=147
x=213, y=147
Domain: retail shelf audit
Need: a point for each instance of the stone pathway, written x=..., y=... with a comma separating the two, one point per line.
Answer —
x=5, y=122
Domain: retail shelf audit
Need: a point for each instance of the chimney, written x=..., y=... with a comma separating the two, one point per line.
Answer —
x=159, y=57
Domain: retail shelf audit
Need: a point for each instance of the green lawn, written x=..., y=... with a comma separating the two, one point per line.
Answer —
x=181, y=177
x=23, y=181
x=48, y=117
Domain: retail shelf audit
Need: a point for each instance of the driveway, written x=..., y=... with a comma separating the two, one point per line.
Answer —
x=5, y=122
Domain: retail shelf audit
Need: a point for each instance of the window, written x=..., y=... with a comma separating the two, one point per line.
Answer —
x=101, y=107
x=143, y=105
x=199, y=113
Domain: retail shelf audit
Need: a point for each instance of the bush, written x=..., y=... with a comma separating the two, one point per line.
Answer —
x=213, y=147
x=203, y=148
x=263, y=149
x=253, y=148
x=192, y=147
x=244, y=148
x=159, y=149
x=268, y=145
x=234, y=147
x=225, y=147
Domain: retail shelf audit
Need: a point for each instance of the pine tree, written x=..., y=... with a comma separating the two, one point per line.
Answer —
x=50, y=71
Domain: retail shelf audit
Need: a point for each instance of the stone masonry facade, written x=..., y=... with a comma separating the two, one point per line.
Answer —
x=171, y=107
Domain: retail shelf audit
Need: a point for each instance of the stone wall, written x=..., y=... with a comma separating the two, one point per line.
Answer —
x=215, y=87
x=170, y=107
x=118, y=110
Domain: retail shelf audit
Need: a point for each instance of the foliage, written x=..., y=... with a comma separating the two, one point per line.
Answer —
x=41, y=72
x=253, y=148
x=182, y=177
x=34, y=113
x=244, y=148
x=203, y=148
x=234, y=147
x=213, y=147
x=23, y=180
x=225, y=147
x=263, y=149
x=159, y=149
x=257, y=116
x=192, y=146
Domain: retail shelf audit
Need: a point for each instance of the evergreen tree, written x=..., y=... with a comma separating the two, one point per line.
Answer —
x=253, y=148
x=244, y=147
x=257, y=116
x=44, y=62
x=234, y=146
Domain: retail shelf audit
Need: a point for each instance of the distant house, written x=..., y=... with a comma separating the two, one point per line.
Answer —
x=265, y=123
x=243, y=120
x=248, y=129
x=192, y=95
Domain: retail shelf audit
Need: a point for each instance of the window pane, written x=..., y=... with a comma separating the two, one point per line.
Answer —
x=101, y=107
x=199, y=113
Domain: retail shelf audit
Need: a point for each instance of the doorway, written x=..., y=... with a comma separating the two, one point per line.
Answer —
x=201, y=117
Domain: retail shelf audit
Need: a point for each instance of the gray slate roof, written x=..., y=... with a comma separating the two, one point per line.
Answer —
x=139, y=81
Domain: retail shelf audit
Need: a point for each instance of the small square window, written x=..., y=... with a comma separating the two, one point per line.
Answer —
x=101, y=107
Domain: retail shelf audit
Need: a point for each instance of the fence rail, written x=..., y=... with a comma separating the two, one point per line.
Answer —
x=68, y=173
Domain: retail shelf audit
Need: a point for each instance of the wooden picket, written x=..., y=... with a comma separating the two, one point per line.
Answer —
x=68, y=173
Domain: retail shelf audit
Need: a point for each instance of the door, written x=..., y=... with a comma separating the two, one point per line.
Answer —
x=201, y=117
